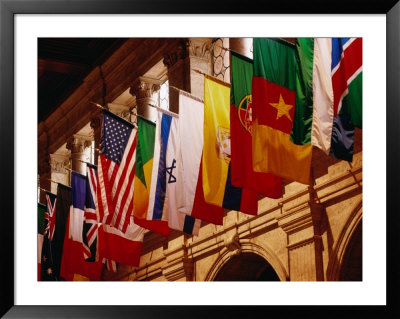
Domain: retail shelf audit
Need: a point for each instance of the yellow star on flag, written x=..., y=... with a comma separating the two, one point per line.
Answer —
x=282, y=107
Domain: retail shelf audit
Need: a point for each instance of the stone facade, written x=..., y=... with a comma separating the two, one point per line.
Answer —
x=312, y=233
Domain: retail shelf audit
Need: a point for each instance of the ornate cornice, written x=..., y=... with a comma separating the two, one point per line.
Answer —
x=58, y=163
x=78, y=143
x=180, y=53
x=144, y=87
x=200, y=48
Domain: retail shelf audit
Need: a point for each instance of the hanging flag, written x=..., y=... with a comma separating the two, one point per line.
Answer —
x=40, y=238
x=142, y=181
x=217, y=186
x=203, y=210
x=163, y=195
x=47, y=256
x=110, y=265
x=322, y=119
x=303, y=110
x=347, y=78
x=276, y=79
x=243, y=174
x=124, y=248
x=116, y=170
x=191, y=123
x=55, y=222
x=347, y=93
x=189, y=186
x=90, y=222
x=74, y=250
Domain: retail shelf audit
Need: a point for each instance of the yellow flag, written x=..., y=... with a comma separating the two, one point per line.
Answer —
x=217, y=148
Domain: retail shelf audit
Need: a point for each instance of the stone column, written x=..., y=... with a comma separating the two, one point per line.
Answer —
x=145, y=90
x=302, y=226
x=191, y=54
x=79, y=145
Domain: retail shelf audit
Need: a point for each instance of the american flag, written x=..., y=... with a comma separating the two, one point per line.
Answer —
x=50, y=215
x=116, y=170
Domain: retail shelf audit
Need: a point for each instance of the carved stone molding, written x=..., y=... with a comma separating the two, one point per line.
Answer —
x=58, y=163
x=200, y=48
x=233, y=244
x=78, y=143
x=180, y=53
x=123, y=111
x=144, y=87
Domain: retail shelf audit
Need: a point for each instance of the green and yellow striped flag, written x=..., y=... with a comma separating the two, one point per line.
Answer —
x=142, y=181
x=144, y=164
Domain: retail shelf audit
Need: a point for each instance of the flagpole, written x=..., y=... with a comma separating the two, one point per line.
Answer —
x=165, y=111
x=194, y=97
x=103, y=108
x=53, y=181
x=213, y=78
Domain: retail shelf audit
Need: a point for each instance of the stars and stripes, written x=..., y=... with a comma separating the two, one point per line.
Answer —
x=50, y=215
x=116, y=170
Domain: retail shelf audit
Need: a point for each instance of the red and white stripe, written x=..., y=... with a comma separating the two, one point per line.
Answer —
x=111, y=265
x=115, y=187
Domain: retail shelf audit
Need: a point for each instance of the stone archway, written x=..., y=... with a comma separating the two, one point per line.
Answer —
x=267, y=264
x=246, y=267
x=347, y=264
x=351, y=268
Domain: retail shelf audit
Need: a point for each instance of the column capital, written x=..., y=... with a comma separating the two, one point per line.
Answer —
x=77, y=143
x=145, y=90
x=144, y=87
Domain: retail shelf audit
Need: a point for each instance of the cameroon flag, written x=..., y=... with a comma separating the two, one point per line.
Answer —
x=243, y=174
x=275, y=85
x=143, y=171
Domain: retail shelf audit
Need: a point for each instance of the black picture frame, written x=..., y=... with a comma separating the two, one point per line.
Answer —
x=8, y=10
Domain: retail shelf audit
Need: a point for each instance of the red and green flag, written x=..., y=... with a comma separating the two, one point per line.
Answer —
x=242, y=173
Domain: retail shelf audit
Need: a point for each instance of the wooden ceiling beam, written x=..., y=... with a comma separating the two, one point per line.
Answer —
x=75, y=69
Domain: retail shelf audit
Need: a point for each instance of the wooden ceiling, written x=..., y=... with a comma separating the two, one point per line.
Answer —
x=63, y=63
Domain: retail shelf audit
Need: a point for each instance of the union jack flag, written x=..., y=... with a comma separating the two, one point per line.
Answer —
x=50, y=215
x=116, y=170
x=90, y=223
